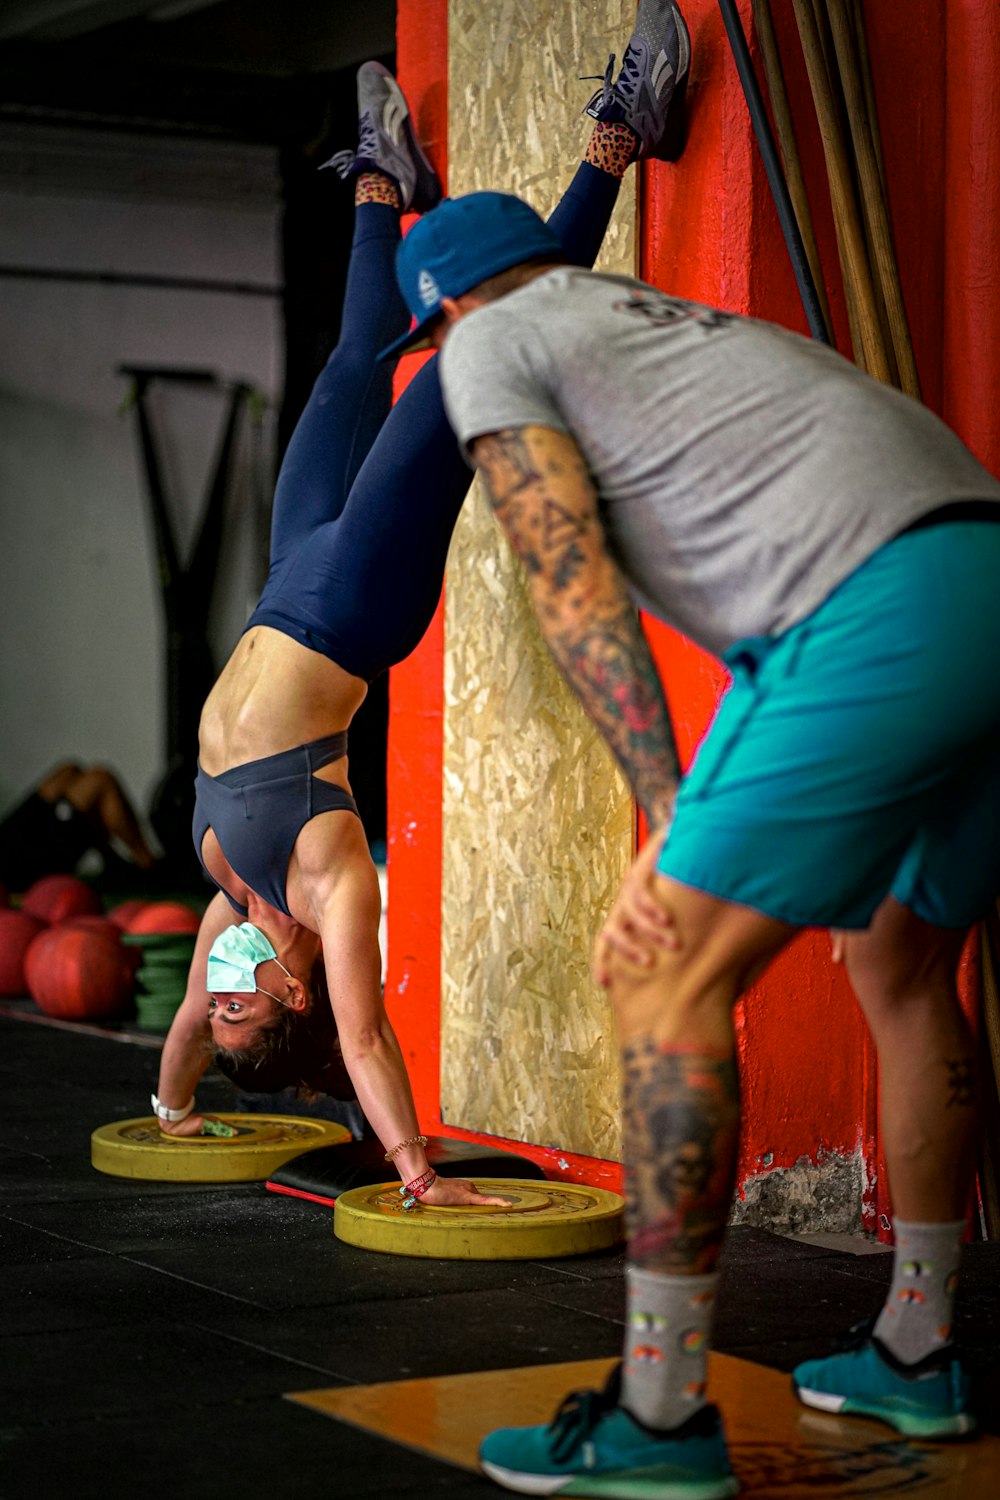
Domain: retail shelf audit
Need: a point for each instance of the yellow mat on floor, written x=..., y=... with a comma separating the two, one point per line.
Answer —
x=779, y=1449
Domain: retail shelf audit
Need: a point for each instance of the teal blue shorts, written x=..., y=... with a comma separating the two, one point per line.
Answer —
x=858, y=753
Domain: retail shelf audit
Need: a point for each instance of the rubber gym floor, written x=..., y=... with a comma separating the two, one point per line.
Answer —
x=153, y=1334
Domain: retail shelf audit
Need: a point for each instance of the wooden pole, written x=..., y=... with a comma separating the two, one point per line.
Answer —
x=876, y=212
x=845, y=206
x=787, y=144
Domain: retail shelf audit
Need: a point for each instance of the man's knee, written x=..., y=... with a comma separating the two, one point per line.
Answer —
x=720, y=949
x=900, y=957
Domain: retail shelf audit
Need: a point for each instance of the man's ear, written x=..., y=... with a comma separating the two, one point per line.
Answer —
x=452, y=310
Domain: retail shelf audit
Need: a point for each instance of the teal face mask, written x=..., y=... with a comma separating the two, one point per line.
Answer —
x=233, y=959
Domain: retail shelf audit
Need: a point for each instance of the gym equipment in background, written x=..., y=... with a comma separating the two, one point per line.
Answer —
x=56, y=898
x=78, y=972
x=163, y=960
x=18, y=930
x=772, y=166
x=186, y=595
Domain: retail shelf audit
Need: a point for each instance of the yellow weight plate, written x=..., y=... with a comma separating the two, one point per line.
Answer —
x=541, y=1220
x=139, y=1148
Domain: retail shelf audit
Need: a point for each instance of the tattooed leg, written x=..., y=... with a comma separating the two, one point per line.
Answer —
x=682, y=1121
x=681, y=1134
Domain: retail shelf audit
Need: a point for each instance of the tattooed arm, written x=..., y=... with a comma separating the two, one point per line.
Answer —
x=544, y=498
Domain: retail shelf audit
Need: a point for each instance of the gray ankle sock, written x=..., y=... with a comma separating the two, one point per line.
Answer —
x=666, y=1345
x=917, y=1316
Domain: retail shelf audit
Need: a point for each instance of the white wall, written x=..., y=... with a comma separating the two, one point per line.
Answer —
x=81, y=653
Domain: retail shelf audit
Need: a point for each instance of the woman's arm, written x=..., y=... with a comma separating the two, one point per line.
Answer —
x=186, y=1051
x=348, y=927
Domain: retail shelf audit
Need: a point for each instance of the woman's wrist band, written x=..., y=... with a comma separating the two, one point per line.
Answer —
x=172, y=1116
x=410, y=1192
x=415, y=1140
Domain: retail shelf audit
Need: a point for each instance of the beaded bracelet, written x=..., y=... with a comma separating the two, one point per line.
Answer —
x=411, y=1191
x=415, y=1140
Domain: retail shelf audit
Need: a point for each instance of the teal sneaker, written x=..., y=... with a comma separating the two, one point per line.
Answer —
x=594, y=1447
x=864, y=1379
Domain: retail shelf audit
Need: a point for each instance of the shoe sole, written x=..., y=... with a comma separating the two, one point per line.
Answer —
x=426, y=188
x=910, y=1424
x=610, y=1487
x=671, y=144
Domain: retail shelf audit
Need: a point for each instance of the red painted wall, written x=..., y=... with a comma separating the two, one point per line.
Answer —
x=709, y=231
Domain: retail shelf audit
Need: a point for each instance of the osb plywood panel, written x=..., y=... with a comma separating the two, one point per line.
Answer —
x=537, y=820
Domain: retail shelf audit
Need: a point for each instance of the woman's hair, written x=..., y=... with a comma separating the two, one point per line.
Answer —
x=298, y=1049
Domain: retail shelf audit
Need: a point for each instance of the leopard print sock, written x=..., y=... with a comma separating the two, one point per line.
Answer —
x=612, y=148
x=376, y=187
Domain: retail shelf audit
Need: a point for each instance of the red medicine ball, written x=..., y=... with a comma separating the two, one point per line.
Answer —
x=78, y=974
x=56, y=898
x=92, y=923
x=18, y=930
x=132, y=956
x=123, y=914
x=165, y=916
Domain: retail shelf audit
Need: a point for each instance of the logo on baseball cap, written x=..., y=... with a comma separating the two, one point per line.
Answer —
x=459, y=244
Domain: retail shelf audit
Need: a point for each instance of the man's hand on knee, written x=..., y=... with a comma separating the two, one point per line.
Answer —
x=639, y=924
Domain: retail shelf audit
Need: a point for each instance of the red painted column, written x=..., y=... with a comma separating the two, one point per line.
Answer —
x=416, y=686
x=972, y=258
x=709, y=231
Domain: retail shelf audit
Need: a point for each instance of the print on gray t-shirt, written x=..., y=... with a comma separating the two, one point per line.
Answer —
x=743, y=471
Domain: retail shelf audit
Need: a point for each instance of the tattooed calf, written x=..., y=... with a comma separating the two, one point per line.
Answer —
x=681, y=1132
x=961, y=1082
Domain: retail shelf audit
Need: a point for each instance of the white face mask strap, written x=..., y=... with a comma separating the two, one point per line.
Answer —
x=272, y=996
x=269, y=994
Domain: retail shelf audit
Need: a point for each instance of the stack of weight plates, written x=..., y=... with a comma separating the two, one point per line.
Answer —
x=162, y=975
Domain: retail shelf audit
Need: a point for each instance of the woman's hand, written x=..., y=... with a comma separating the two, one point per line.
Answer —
x=638, y=923
x=454, y=1192
x=191, y=1126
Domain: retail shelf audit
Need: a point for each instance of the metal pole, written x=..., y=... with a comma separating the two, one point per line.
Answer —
x=775, y=176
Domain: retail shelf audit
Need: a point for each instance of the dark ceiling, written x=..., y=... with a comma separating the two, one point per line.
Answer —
x=254, y=70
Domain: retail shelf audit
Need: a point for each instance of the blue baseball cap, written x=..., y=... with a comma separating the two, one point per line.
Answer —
x=459, y=244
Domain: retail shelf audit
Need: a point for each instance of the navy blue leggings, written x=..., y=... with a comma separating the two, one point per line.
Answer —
x=368, y=493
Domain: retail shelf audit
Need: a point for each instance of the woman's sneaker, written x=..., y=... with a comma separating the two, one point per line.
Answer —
x=927, y=1400
x=386, y=142
x=594, y=1447
x=648, y=94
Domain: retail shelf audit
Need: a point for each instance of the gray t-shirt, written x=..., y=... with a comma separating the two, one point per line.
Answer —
x=743, y=471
